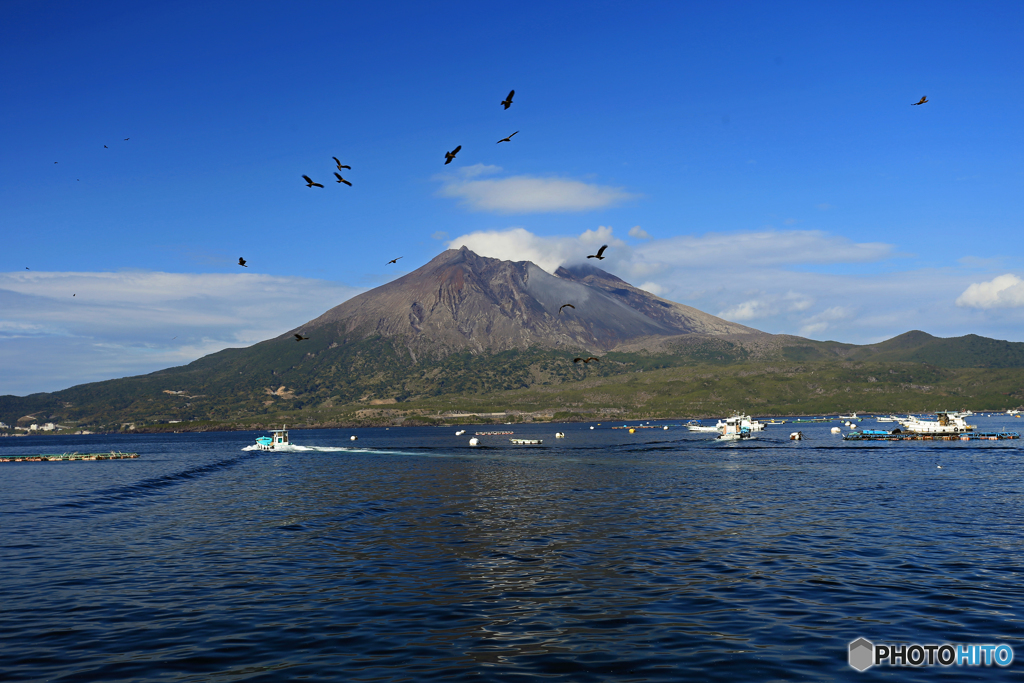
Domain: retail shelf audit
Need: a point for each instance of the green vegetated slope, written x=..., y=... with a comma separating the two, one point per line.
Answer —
x=327, y=383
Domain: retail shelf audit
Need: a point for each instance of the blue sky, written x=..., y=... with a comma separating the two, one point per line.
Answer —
x=760, y=161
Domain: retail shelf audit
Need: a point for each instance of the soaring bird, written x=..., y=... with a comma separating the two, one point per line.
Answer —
x=340, y=165
x=448, y=156
x=923, y=100
x=341, y=180
x=394, y=260
x=241, y=262
x=105, y=147
x=577, y=360
x=299, y=337
x=508, y=100
x=586, y=360
x=508, y=139
x=563, y=306
x=310, y=183
x=127, y=139
x=599, y=253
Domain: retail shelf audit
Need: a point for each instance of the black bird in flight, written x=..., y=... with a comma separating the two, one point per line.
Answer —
x=394, y=260
x=341, y=165
x=127, y=139
x=586, y=360
x=105, y=147
x=241, y=262
x=55, y=162
x=448, y=156
x=923, y=100
x=563, y=306
x=342, y=180
x=299, y=338
x=599, y=253
x=508, y=139
x=310, y=183
x=508, y=100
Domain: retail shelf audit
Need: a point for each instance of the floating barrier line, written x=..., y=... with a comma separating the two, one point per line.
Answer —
x=906, y=436
x=65, y=457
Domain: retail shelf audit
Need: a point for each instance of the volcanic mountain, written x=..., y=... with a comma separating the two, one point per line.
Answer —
x=463, y=301
x=467, y=325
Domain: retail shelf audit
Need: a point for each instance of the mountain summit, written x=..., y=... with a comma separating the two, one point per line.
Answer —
x=463, y=301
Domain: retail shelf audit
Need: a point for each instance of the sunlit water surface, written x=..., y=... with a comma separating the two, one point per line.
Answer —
x=604, y=556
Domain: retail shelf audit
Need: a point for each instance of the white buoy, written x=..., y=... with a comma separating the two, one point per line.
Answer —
x=796, y=436
x=352, y=438
x=591, y=427
x=837, y=430
x=460, y=432
x=559, y=435
x=474, y=441
x=665, y=428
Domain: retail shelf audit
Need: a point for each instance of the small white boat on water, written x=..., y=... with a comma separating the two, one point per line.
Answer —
x=851, y=416
x=945, y=423
x=891, y=418
x=277, y=441
x=733, y=429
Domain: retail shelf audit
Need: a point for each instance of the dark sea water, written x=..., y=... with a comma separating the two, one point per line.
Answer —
x=604, y=556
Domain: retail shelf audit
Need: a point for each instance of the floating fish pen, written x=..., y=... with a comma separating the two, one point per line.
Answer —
x=816, y=419
x=65, y=457
x=493, y=433
x=869, y=435
x=526, y=442
x=639, y=427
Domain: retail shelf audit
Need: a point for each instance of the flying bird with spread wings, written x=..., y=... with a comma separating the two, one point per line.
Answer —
x=565, y=306
x=586, y=360
x=599, y=255
x=450, y=156
x=310, y=183
x=241, y=262
x=508, y=100
x=508, y=139
x=921, y=101
x=394, y=260
x=299, y=337
x=341, y=165
x=341, y=180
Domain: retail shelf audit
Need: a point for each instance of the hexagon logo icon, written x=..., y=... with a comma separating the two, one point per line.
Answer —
x=862, y=654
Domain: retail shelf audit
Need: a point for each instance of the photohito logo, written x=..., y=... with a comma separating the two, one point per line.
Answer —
x=865, y=654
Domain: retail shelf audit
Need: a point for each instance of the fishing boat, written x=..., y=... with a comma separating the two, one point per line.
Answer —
x=745, y=420
x=733, y=429
x=696, y=426
x=277, y=441
x=945, y=423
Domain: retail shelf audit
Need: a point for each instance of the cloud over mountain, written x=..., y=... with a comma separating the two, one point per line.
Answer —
x=527, y=194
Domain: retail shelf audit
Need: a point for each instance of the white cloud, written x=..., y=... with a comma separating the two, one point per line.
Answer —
x=767, y=247
x=440, y=235
x=126, y=323
x=653, y=287
x=639, y=233
x=526, y=194
x=1005, y=291
x=816, y=324
x=518, y=244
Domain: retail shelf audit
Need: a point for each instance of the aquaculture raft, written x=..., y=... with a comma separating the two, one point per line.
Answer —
x=526, y=442
x=908, y=436
x=62, y=457
x=493, y=433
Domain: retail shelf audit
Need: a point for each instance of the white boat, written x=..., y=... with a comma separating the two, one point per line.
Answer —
x=745, y=420
x=851, y=416
x=946, y=422
x=277, y=441
x=698, y=427
x=891, y=418
x=733, y=429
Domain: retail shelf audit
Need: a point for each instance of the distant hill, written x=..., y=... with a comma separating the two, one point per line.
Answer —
x=468, y=325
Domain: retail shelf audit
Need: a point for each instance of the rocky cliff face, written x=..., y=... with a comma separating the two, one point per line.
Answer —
x=463, y=301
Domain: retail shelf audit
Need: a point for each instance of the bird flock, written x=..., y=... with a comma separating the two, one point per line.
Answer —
x=449, y=157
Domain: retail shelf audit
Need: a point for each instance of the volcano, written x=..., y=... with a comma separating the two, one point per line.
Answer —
x=461, y=301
